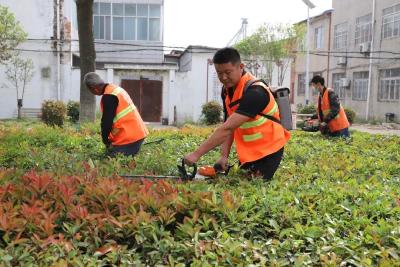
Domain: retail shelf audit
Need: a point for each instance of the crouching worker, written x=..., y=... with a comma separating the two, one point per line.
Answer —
x=259, y=139
x=330, y=113
x=122, y=129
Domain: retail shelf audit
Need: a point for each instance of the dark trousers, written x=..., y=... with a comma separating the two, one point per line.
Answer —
x=127, y=150
x=266, y=166
x=342, y=133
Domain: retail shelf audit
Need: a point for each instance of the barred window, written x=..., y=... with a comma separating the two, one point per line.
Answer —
x=339, y=90
x=319, y=38
x=391, y=22
x=363, y=29
x=125, y=21
x=301, y=85
x=340, y=36
x=360, y=87
x=389, y=85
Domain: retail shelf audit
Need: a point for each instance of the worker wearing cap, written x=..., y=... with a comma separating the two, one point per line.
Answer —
x=333, y=119
x=259, y=140
x=122, y=129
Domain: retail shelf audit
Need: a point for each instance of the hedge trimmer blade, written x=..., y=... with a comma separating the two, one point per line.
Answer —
x=183, y=174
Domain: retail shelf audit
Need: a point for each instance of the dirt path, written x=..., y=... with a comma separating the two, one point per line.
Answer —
x=375, y=129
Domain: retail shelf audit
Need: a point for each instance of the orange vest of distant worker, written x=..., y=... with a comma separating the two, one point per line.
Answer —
x=340, y=122
x=128, y=126
x=259, y=136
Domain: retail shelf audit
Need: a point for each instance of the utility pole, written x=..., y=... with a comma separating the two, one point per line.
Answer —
x=310, y=5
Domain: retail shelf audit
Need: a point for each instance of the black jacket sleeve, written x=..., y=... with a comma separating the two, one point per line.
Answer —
x=335, y=106
x=253, y=102
x=110, y=103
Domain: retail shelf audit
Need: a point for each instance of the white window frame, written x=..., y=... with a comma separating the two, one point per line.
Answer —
x=391, y=22
x=319, y=37
x=340, y=39
x=301, y=84
x=363, y=32
x=339, y=90
x=390, y=84
x=136, y=17
x=360, y=85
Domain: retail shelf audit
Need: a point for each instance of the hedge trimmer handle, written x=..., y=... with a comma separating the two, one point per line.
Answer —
x=218, y=168
x=185, y=175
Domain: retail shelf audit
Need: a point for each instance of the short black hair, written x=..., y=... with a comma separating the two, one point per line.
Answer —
x=227, y=55
x=318, y=79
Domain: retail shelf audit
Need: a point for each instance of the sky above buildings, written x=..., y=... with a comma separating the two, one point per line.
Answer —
x=215, y=22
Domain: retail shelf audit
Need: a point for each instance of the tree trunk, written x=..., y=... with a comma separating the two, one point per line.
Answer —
x=87, y=58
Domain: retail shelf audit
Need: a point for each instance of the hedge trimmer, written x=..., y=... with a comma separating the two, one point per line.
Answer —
x=187, y=174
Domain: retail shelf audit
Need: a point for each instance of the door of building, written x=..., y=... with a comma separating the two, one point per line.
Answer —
x=147, y=96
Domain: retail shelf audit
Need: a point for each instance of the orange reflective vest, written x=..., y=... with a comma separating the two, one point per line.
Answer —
x=258, y=137
x=128, y=126
x=340, y=122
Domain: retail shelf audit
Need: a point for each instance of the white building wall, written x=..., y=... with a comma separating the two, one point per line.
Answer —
x=36, y=18
x=190, y=87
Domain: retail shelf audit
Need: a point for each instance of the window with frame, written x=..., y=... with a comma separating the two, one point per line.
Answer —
x=363, y=29
x=389, y=85
x=339, y=90
x=340, y=36
x=301, y=85
x=391, y=22
x=319, y=38
x=126, y=21
x=360, y=85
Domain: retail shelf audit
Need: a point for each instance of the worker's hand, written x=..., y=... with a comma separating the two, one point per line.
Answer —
x=323, y=127
x=108, y=147
x=191, y=158
x=223, y=162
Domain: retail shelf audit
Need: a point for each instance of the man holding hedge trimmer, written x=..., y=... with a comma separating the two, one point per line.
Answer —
x=252, y=120
x=331, y=115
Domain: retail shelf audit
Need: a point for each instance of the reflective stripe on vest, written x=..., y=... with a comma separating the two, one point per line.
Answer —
x=252, y=137
x=261, y=120
x=124, y=112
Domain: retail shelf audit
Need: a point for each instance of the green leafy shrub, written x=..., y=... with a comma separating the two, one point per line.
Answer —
x=350, y=114
x=73, y=111
x=307, y=109
x=54, y=113
x=212, y=112
x=74, y=210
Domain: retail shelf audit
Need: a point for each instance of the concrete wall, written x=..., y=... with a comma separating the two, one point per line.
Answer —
x=349, y=11
x=190, y=87
x=36, y=18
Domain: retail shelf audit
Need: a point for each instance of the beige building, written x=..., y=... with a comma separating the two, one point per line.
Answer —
x=362, y=39
x=320, y=31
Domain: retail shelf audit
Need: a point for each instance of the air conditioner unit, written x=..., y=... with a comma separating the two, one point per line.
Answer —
x=342, y=61
x=344, y=82
x=365, y=48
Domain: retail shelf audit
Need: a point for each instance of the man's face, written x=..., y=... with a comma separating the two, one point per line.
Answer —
x=316, y=86
x=229, y=74
x=96, y=90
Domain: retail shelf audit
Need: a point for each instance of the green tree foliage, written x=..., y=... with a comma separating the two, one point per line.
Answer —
x=273, y=45
x=11, y=34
